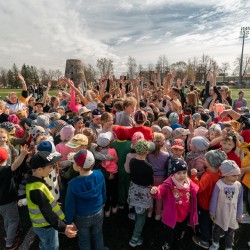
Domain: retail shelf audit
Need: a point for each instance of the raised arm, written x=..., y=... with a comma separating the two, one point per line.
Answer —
x=24, y=86
x=46, y=93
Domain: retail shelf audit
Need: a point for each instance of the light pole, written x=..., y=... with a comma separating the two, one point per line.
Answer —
x=243, y=34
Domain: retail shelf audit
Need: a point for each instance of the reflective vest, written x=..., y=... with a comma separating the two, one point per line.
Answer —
x=36, y=216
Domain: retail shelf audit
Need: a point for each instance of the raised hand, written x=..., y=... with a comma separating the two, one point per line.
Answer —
x=20, y=77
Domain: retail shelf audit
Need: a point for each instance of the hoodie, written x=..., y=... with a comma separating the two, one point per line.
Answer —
x=85, y=195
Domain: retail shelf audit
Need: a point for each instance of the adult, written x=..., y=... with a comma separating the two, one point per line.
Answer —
x=13, y=103
x=240, y=102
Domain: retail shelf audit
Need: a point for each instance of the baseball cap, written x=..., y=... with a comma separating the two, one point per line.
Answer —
x=77, y=141
x=140, y=116
x=96, y=113
x=47, y=146
x=180, y=131
x=104, y=139
x=178, y=143
x=178, y=165
x=3, y=154
x=43, y=158
x=84, y=158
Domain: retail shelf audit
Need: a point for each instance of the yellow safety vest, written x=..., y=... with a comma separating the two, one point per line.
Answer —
x=36, y=216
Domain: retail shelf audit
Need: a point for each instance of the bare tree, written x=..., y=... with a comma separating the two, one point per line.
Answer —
x=223, y=69
x=180, y=69
x=105, y=65
x=132, y=66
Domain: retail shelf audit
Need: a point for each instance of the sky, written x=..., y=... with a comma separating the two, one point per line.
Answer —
x=44, y=33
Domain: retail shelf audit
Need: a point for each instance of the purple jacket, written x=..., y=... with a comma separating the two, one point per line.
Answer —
x=169, y=206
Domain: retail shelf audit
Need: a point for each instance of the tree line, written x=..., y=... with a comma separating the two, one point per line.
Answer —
x=196, y=69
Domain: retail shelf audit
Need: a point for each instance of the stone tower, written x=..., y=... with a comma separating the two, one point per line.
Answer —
x=74, y=70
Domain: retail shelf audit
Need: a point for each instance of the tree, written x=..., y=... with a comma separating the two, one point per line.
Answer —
x=43, y=76
x=105, y=65
x=3, y=78
x=245, y=66
x=34, y=74
x=90, y=73
x=180, y=69
x=14, y=70
x=131, y=64
x=223, y=69
x=10, y=78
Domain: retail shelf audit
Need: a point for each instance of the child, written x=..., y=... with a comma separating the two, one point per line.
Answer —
x=180, y=203
x=167, y=132
x=95, y=125
x=174, y=120
x=213, y=132
x=226, y=205
x=126, y=117
x=8, y=196
x=45, y=213
x=196, y=157
x=177, y=150
x=213, y=160
x=141, y=178
x=84, y=201
x=103, y=143
x=158, y=159
x=107, y=120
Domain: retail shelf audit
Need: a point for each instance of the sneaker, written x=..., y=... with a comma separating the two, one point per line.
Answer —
x=197, y=240
x=246, y=218
x=134, y=242
x=158, y=217
x=121, y=207
x=14, y=246
x=107, y=213
x=114, y=210
x=131, y=216
x=214, y=246
x=165, y=246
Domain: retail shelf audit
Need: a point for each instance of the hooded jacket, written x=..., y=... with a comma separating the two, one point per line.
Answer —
x=169, y=214
x=85, y=195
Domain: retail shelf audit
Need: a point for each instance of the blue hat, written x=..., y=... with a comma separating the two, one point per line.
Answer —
x=47, y=146
x=51, y=125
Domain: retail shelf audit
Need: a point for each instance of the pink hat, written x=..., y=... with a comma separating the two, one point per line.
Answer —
x=136, y=136
x=13, y=118
x=67, y=133
x=19, y=132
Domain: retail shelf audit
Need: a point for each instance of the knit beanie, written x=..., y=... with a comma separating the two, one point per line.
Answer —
x=215, y=158
x=156, y=128
x=9, y=126
x=168, y=130
x=36, y=131
x=173, y=118
x=136, y=136
x=229, y=168
x=200, y=143
x=67, y=133
x=215, y=127
x=142, y=147
x=178, y=164
x=59, y=124
x=19, y=133
x=14, y=119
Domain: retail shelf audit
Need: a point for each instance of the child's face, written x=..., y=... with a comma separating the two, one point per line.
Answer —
x=193, y=148
x=130, y=109
x=3, y=139
x=213, y=134
x=108, y=124
x=231, y=179
x=181, y=176
x=96, y=120
x=177, y=152
x=227, y=146
x=44, y=172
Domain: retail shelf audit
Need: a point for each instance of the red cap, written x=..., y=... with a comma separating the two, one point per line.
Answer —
x=178, y=143
x=3, y=154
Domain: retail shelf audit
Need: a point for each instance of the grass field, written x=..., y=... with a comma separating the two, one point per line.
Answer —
x=5, y=92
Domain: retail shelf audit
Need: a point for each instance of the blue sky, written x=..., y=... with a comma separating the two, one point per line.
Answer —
x=45, y=33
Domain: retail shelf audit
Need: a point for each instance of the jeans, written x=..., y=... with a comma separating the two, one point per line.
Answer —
x=229, y=236
x=11, y=220
x=205, y=224
x=140, y=220
x=90, y=235
x=48, y=238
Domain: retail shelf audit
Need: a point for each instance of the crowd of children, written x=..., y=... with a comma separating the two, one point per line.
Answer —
x=166, y=150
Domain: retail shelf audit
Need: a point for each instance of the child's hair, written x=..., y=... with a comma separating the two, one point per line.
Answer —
x=158, y=139
x=106, y=116
x=90, y=134
x=128, y=102
x=231, y=137
x=100, y=105
x=176, y=90
x=118, y=106
x=150, y=116
x=4, y=131
x=163, y=121
x=21, y=114
x=31, y=100
x=88, y=95
x=53, y=99
x=105, y=97
x=192, y=99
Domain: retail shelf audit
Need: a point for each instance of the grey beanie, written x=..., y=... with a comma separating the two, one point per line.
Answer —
x=201, y=143
x=215, y=158
x=229, y=168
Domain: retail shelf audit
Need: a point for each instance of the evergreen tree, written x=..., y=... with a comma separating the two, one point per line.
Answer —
x=10, y=79
x=15, y=76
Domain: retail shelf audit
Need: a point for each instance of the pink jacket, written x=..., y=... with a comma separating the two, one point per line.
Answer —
x=73, y=106
x=169, y=206
x=111, y=166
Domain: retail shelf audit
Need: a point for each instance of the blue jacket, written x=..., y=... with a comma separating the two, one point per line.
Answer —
x=85, y=195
